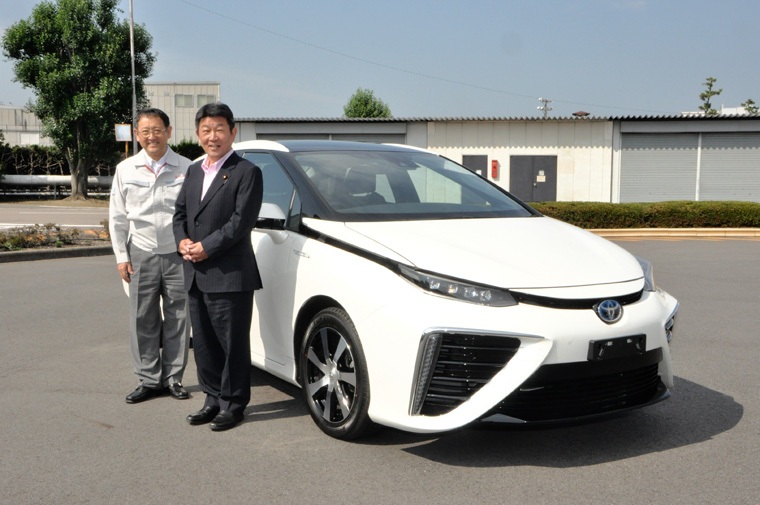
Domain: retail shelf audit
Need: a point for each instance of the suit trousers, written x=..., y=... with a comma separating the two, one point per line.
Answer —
x=222, y=347
x=158, y=306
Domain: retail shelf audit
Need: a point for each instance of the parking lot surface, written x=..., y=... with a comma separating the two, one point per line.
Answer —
x=68, y=437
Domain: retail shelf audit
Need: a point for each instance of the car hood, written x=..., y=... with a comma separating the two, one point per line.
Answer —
x=511, y=253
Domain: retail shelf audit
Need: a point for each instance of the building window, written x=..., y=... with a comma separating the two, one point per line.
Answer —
x=183, y=100
x=205, y=99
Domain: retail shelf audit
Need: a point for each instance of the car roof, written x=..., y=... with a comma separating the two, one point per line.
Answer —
x=320, y=145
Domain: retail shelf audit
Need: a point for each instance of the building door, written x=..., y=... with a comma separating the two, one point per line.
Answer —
x=478, y=163
x=533, y=178
x=657, y=167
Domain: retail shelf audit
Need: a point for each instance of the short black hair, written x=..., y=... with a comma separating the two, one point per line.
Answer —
x=152, y=112
x=216, y=109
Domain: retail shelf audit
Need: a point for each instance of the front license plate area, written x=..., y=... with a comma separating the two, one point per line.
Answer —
x=620, y=347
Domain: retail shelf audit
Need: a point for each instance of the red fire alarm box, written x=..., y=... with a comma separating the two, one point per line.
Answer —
x=494, y=169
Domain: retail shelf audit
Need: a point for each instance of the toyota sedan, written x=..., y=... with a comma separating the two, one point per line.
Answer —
x=403, y=290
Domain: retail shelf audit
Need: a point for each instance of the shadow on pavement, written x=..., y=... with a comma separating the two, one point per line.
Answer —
x=692, y=415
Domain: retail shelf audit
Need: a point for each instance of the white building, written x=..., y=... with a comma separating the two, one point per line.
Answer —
x=180, y=101
x=20, y=127
x=627, y=159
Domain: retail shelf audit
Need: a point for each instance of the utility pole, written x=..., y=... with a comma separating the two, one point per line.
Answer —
x=545, y=107
x=134, y=93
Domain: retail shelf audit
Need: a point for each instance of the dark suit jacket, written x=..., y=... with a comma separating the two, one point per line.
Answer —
x=222, y=222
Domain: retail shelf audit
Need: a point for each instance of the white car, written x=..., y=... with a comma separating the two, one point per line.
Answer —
x=401, y=289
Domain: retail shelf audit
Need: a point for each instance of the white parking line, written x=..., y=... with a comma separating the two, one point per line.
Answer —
x=70, y=211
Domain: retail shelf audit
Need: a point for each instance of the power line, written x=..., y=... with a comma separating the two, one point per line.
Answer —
x=399, y=69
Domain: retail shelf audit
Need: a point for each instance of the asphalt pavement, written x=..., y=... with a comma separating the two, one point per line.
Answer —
x=68, y=437
x=51, y=212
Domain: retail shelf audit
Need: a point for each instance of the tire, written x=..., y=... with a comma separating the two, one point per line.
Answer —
x=334, y=381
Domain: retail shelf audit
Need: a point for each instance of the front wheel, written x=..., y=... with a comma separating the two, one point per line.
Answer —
x=333, y=375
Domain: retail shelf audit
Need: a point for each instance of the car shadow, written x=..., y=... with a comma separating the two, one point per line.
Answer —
x=692, y=415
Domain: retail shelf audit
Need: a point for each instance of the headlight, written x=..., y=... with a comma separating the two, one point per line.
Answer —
x=483, y=295
x=646, y=267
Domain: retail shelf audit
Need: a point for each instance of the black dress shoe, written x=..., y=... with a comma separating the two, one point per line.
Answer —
x=178, y=392
x=143, y=393
x=203, y=416
x=225, y=420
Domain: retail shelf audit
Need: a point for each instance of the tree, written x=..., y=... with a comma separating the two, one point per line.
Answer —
x=75, y=55
x=707, y=95
x=364, y=104
x=750, y=106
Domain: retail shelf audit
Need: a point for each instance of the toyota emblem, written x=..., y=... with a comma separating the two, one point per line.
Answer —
x=609, y=311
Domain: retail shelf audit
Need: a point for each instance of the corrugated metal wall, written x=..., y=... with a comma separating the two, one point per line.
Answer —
x=730, y=168
x=658, y=167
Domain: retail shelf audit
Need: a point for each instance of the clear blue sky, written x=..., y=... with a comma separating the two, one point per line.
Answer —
x=466, y=58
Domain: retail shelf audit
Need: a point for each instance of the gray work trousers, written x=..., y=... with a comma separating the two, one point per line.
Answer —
x=158, y=305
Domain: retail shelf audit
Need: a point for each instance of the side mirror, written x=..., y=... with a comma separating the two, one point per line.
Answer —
x=271, y=217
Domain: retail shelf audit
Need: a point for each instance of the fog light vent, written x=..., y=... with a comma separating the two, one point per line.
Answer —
x=454, y=366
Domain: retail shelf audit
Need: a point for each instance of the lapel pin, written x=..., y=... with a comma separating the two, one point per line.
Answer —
x=224, y=177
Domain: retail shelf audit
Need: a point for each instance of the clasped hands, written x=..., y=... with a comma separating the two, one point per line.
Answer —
x=192, y=251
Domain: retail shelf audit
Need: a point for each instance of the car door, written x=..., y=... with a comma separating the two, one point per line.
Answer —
x=273, y=305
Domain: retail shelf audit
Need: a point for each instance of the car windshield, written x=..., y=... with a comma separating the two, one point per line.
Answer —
x=394, y=185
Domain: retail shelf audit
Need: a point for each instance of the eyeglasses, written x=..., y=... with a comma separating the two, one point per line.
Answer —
x=152, y=131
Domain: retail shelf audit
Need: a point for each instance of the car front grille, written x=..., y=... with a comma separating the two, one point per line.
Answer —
x=576, y=390
x=464, y=364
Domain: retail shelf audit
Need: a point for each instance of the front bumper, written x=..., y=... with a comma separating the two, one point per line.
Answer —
x=541, y=376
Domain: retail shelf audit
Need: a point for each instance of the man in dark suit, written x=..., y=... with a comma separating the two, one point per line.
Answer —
x=215, y=212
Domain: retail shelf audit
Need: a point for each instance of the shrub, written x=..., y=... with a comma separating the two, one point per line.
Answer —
x=188, y=149
x=46, y=160
x=678, y=214
x=49, y=235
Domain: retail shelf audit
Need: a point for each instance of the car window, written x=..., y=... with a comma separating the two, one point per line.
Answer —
x=278, y=188
x=395, y=185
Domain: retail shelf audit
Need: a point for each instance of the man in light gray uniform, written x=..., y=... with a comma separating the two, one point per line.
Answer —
x=143, y=196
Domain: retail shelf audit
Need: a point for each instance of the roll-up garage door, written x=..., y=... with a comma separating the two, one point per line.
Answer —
x=658, y=167
x=730, y=168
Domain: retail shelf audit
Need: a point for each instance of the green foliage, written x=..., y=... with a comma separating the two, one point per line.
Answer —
x=75, y=55
x=707, y=95
x=750, y=106
x=49, y=235
x=188, y=149
x=681, y=214
x=364, y=104
x=46, y=160
x=34, y=160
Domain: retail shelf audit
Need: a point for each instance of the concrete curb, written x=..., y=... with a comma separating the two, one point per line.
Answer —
x=60, y=252
x=103, y=250
x=679, y=232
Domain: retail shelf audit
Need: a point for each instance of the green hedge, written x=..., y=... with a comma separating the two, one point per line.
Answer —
x=188, y=149
x=682, y=214
x=48, y=160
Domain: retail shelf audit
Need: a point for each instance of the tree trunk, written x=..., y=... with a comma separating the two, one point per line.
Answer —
x=79, y=172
